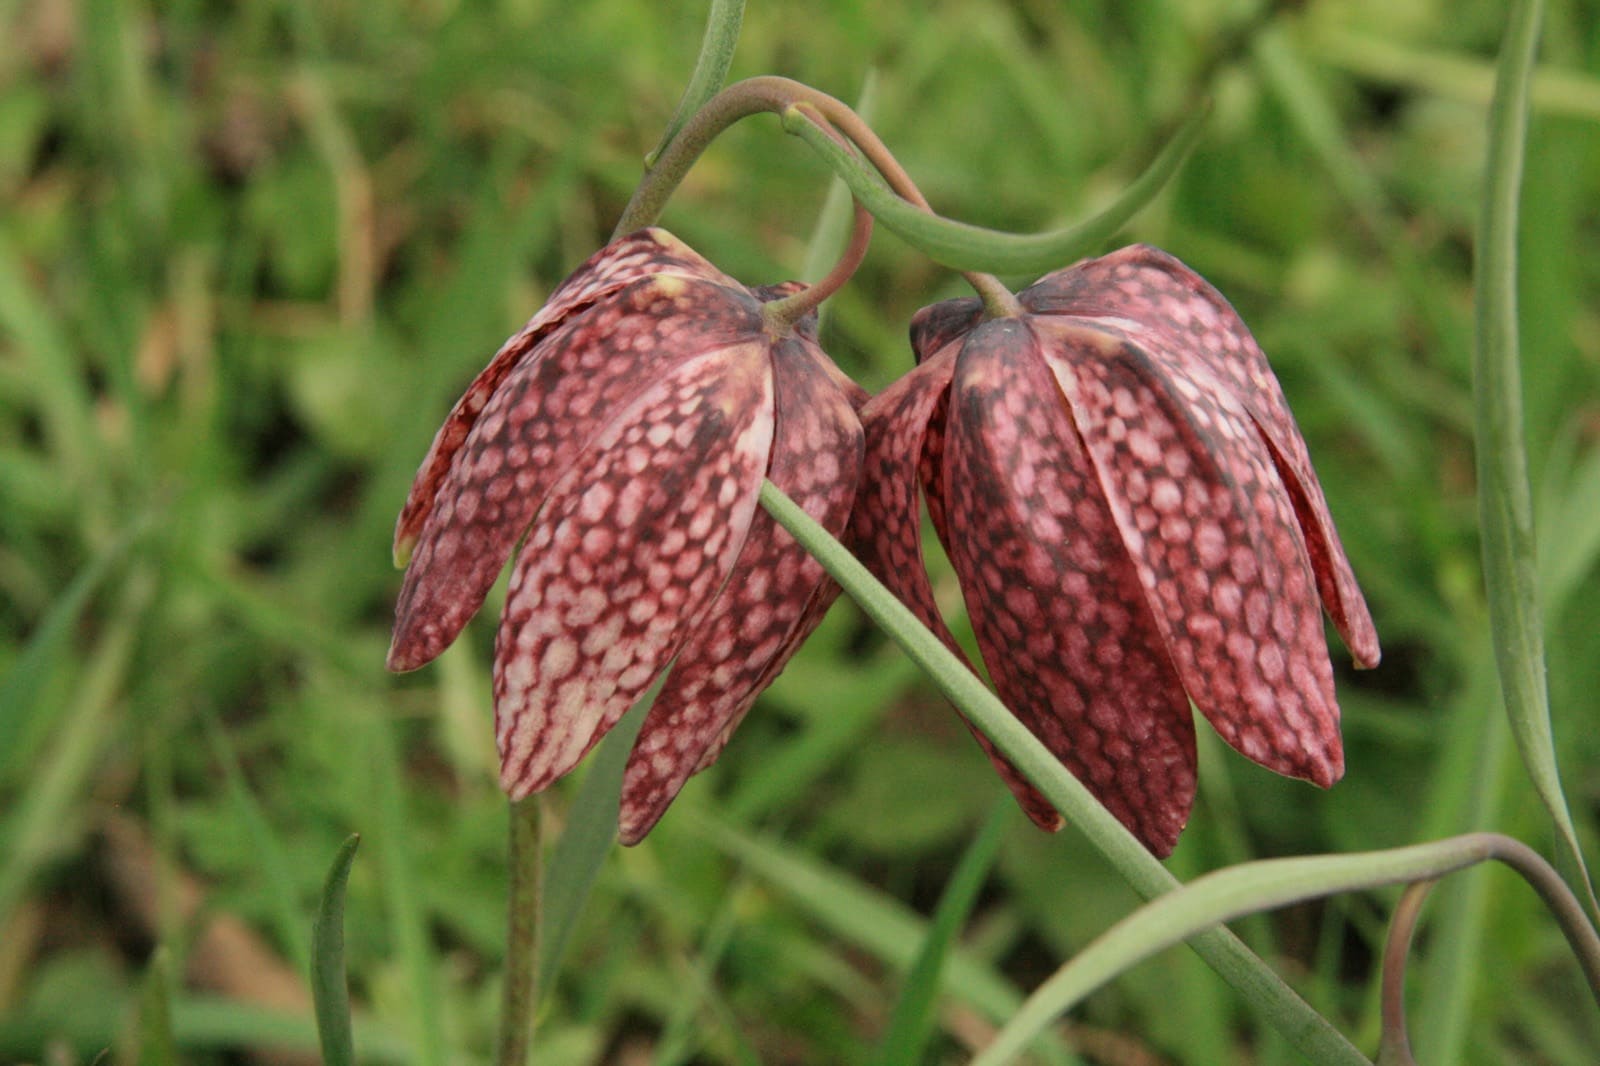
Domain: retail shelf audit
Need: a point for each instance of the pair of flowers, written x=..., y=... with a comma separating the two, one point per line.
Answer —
x=1123, y=494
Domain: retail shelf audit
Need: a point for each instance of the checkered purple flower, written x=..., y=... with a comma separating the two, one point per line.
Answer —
x=1135, y=525
x=623, y=436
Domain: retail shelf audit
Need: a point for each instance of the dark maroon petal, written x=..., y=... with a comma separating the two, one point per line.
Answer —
x=1197, y=333
x=535, y=428
x=631, y=549
x=752, y=629
x=886, y=526
x=943, y=323
x=1054, y=598
x=1216, y=543
x=628, y=259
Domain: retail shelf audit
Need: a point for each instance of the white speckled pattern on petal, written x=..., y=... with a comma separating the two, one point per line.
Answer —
x=627, y=555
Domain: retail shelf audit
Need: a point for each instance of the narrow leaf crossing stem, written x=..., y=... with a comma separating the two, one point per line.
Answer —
x=1316, y=1038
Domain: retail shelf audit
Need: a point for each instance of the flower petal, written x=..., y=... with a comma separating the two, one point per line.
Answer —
x=535, y=427
x=1054, y=598
x=1216, y=543
x=1191, y=324
x=629, y=552
x=886, y=526
x=765, y=611
x=943, y=323
x=628, y=259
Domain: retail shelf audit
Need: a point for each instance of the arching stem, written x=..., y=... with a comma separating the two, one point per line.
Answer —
x=778, y=95
x=1395, y=1046
x=781, y=315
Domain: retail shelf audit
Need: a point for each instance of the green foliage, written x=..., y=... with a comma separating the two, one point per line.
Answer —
x=250, y=253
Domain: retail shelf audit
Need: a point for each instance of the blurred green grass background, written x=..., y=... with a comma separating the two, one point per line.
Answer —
x=249, y=255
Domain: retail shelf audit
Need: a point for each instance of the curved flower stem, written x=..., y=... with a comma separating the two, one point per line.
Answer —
x=781, y=96
x=781, y=315
x=710, y=69
x=1394, y=1047
x=968, y=247
x=519, y=1000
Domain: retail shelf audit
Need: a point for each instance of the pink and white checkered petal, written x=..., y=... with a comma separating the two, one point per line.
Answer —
x=626, y=557
x=1184, y=322
x=1336, y=582
x=626, y=260
x=885, y=530
x=1217, y=546
x=1055, y=601
x=750, y=631
x=535, y=428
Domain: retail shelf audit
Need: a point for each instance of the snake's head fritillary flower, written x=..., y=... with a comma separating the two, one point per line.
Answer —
x=1134, y=523
x=623, y=436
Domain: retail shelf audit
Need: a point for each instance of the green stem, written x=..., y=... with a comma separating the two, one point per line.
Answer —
x=519, y=1001
x=967, y=247
x=825, y=114
x=710, y=69
x=1316, y=1038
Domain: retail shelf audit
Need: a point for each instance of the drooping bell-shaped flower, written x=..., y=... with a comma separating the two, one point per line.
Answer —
x=1134, y=522
x=623, y=435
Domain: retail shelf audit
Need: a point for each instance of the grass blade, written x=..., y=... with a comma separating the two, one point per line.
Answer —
x=329, y=990
x=912, y=1021
x=1256, y=886
x=1505, y=500
x=156, y=1045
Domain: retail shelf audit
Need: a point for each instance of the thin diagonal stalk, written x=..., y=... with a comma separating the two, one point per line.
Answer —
x=1309, y=1031
x=723, y=22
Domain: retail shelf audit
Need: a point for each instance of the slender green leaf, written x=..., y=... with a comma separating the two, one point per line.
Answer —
x=20, y=691
x=967, y=247
x=912, y=1022
x=46, y=818
x=1505, y=500
x=329, y=990
x=408, y=919
x=1257, y=886
x=1311, y=1033
x=156, y=1044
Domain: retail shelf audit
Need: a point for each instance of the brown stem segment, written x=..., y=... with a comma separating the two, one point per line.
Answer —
x=769, y=93
x=781, y=315
x=1395, y=1046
